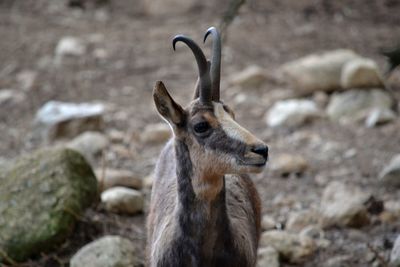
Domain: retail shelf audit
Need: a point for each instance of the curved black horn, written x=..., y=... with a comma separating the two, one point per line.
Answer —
x=204, y=75
x=215, y=62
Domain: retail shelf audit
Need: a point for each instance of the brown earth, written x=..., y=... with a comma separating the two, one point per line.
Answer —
x=139, y=52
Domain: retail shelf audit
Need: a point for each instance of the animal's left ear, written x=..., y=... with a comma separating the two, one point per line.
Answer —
x=166, y=106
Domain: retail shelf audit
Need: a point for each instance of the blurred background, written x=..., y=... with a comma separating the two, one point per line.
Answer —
x=315, y=79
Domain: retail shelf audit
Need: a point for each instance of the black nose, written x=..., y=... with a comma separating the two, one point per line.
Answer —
x=261, y=150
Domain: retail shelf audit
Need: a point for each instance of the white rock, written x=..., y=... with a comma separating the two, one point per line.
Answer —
x=317, y=72
x=123, y=200
x=390, y=175
x=267, y=223
x=156, y=133
x=252, y=76
x=379, y=116
x=285, y=164
x=89, y=144
x=291, y=247
x=292, y=113
x=70, y=46
x=361, y=73
x=116, y=177
x=343, y=205
x=108, y=251
x=355, y=104
x=299, y=220
x=267, y=257
x=395, y=254
x=11, y=96
x=60, y=119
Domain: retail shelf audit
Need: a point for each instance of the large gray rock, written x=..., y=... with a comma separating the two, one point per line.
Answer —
x=41, y=195
x=292, y=247
x=343, y=205
x=65, y=120
x=317, y=72
x=108, y=251
x=355, y=104
x=292, y=113
x=395, y=254
x=268, y=257
x=390, y=175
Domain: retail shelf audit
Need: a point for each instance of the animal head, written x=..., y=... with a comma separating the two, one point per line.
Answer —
x=216, y=142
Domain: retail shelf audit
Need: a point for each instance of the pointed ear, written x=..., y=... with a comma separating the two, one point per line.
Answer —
x=166, y=106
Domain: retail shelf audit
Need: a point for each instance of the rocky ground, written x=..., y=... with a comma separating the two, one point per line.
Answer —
x=331, y=192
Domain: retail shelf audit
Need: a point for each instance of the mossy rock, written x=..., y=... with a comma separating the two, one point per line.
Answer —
x=41, y=197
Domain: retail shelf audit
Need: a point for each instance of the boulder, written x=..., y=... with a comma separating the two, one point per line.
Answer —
x=317, y=72
x=286, y=164
x=343, y=205
x=292, y=113
x=395, y=254
x=123, y=200
x=65, y=120
x=291, y=247
x=41, y=196
x=89, y=144
x=390, y=175
x=361, y=73
x=117, y=177
x=252, y=76
x=108, y=251
x=156, y=133
x=355, y=105
x=267, y=257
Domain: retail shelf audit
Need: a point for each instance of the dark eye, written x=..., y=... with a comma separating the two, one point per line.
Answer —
x=201, y=127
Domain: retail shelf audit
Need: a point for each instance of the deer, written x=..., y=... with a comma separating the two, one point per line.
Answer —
x=204, y=208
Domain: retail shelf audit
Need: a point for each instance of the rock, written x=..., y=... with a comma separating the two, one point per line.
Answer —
x=10, y=96
x=267, y=223
x=116, y=136
x=70, y=46
x=292, y=113
x=123, y=200
x=267, y=257
x=395, y=254
x=343, y=205
x=355, y=104
x=361, y=73
x=299, y=220
x=390, y=175
x=317, y=72
x=148, y=181
x=41, y=196
x=379, y=116
x=26, y=79
x=65, y=120
x=89, y=144
x=108, y=251
x=156, y=133
x=252, y=76
x=291, y=247
x=116, y=177
x=286, y=164
x=339, y=261
x=168, y=7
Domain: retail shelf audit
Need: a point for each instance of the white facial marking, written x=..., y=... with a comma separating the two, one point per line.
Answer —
x=232, y=128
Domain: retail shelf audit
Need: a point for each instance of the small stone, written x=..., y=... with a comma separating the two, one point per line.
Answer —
x=395, y=254
x=267, y=257
x=343, y=205
x=116, y=177
x=361, y=73
x=286, y=164
x=156, y=133
x=123, y=200
x=65, y=120
x=379, y=116
x=291, y=247
x=292, y=113
x=89, y=144
x=299, y=220
x=148, y=181
x=252, y=76
x=390, y=175
x=108, y=251
x=267, y=223
x=70, y=46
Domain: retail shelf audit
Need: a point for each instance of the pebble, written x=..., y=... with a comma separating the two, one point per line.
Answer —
x=286, y=164
x=70, y=46
x=123, y=200
x=267, y=223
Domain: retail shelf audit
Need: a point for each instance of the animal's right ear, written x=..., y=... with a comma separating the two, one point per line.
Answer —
x=166, y=106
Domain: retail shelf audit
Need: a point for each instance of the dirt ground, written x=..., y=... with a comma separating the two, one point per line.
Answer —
x=139, y=52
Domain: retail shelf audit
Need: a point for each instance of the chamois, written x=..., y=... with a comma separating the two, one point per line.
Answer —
x=204, y=210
